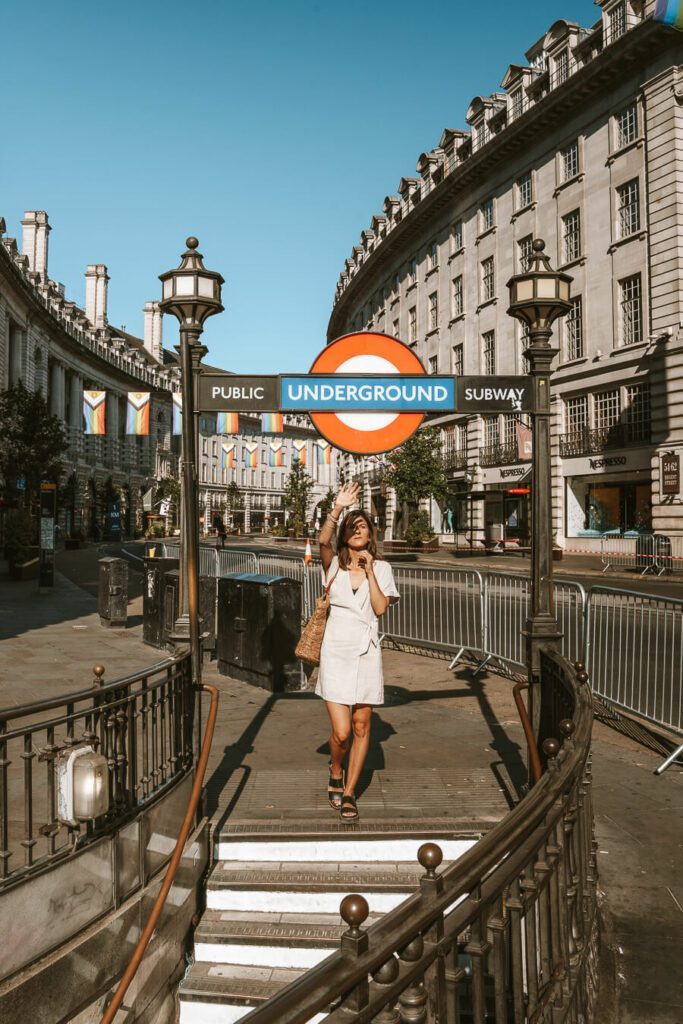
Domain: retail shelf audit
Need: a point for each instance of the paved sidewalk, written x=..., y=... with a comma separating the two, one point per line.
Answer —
x=444, y=745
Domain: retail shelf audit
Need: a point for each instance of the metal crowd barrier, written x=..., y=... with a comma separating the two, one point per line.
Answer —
x=647, y=553
x=634, y=653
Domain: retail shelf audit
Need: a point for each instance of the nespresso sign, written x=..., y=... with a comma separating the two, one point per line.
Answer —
x=671, y=474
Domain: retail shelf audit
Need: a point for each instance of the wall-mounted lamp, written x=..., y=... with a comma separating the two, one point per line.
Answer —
x=82, y=785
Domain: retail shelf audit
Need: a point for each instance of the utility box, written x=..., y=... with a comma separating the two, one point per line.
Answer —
x=259, y=624
x=112, y=592
x=207, y=610
x=153, y=599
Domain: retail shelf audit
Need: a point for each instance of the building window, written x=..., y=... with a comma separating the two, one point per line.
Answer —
x=457, y=361
x=213, y=474
x=607, y=409
x=638, y=412
x=213, y=448
x=524, y=190
x=516, y=104
x=573, y=325
x=569, y=161
x=433, y=364
x=412, y=324
x=571, y=237
x=562, y=67
x=488, y=279
x=203, y=472
x=457, y=296
x=433, y=311
x=488, y=340
x=412, y=270
x=630, y=303
x=577, y=414
x=457, y=235
x=617, y=21
x=628, y=209
x=491, y=431
x=627, y=126
x=433, y=256
x=205, y=446
x=510, y=421
x=525, y=249
x=396, y=284
x=396, y=328
x=486, y=215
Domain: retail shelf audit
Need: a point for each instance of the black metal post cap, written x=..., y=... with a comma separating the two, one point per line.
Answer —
x=430, y=856
x=354, y=909
x=192, y=242
x=567, y=726
x=551, y=748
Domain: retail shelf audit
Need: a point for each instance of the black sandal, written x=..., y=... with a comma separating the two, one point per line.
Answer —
x=348, y=804
x=335, y=789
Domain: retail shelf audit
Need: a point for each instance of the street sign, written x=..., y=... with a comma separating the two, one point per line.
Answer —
x=219, y=392
x=367, y=393
x=671, y=474
x=494, y=394
x=367, y=433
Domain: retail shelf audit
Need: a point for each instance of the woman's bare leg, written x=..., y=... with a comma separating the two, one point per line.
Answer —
x=340, y=737
x=361, y=716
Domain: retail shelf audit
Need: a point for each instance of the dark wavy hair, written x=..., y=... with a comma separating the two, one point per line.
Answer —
x=346, y=528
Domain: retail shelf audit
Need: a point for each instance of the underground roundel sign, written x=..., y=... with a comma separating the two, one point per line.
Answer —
x=367, y=433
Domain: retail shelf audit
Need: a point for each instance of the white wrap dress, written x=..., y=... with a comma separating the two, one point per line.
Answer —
x=350, y=657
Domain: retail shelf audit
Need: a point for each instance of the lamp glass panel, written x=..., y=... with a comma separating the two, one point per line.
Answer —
x=205, y=286
x=564, y=290
x=90, y=786
x=546, y=287
x=524, y=289
x=168, y=288
x=185, y=284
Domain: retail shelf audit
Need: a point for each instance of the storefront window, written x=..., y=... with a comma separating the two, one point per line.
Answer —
x=618, y=507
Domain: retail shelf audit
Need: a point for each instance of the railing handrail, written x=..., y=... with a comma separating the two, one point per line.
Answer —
x=312, y=992
x=48, y=703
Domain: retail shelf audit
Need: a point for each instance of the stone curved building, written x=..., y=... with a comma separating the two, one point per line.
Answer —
x=581, y=147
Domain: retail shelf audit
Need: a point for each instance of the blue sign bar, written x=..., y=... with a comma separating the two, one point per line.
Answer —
x=367, y=393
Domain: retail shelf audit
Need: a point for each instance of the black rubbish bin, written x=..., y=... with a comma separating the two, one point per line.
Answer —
x=153, y=599
x=259, y=624
x=112, y=592
x=207, y=610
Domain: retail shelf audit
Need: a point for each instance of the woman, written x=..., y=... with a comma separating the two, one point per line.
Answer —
x=350, y=675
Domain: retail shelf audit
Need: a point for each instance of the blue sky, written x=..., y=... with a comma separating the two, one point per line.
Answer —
x=272, y=131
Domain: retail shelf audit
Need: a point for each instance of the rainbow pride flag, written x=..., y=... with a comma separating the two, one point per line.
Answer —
x=228, y=456
x=94, y=406
x=276, y=454
x=299, y=453
x=227, y=423
x=669, y=12
x=137, y=413
x=324, y=453
x=177, y=413
x=271, y=422
x=251, y=455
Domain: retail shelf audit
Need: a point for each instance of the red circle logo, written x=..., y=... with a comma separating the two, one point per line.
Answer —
x=367, y=433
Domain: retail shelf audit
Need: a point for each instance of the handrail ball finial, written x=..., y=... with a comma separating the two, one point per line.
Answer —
x=354, y=910
x=551, y=747
x=430, y=856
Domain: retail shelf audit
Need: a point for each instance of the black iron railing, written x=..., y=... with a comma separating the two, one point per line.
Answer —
x=592, y=441
x=454, y=459
x=142, y=724
x=499, y=454
x=508, y=932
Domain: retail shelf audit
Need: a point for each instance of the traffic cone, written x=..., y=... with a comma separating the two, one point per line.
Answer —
x=308, y=554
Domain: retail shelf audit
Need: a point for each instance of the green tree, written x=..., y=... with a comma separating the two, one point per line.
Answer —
x=32, y=440
x=416, y=470
x=234, y=496
x=297, y=492
x=327, y=504
x=169, y=488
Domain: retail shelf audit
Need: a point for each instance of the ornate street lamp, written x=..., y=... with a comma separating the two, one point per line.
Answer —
x=192, y=294
x=538, y=297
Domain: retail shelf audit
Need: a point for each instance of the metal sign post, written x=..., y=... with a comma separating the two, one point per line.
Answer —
x=48, y=511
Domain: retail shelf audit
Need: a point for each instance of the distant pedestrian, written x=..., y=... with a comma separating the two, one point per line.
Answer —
x=219, y=527
x=350, y=679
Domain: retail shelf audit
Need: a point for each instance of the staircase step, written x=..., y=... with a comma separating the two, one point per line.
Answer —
x=311, y=887
x=223, y=993
x=260, y=939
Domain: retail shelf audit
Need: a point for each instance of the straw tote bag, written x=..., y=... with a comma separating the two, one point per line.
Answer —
x=310, y=641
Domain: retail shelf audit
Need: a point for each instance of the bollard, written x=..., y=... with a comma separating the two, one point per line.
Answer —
x=112, y=592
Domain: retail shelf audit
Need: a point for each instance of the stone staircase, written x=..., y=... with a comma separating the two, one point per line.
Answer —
x=272, y=903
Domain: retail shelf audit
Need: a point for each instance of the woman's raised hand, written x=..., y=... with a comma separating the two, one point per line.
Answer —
x=347, y=496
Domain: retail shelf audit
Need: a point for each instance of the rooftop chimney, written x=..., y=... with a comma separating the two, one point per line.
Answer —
x=35, y=231
x=153, y=329
x=96, y=279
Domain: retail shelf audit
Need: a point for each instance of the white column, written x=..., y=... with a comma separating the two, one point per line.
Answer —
x=96, y=279
x=35, y=231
